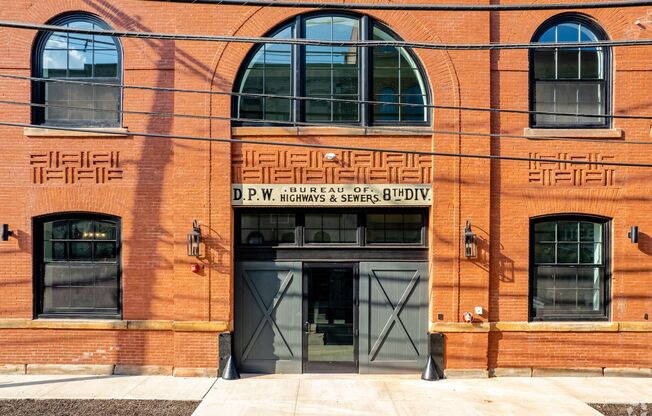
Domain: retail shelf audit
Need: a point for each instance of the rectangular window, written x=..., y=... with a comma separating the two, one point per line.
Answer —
x=389, y=228
x=79, y=267
x=331, y=228
x=569, y=269
x=267, y=229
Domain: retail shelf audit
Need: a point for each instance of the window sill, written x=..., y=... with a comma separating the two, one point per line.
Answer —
x=96, y=132
x=574, y=133
x=331, y=131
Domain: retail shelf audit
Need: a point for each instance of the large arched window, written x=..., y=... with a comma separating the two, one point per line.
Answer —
x=340, y=75
x=569, y=267
x=72, y=56
x=570, y=80
x=77, y=265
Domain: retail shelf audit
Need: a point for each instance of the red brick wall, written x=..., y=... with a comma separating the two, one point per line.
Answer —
x=164, y=184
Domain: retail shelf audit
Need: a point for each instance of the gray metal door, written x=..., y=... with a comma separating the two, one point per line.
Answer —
x=393, y=316
x=268, y=326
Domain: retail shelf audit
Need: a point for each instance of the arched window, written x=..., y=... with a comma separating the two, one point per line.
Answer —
x=570, y=80
x=569, y=268
x=340, y=75
x=73, y=56
x=77, y=269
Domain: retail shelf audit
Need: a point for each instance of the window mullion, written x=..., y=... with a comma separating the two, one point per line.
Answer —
x=365, y=74
x=298, y=73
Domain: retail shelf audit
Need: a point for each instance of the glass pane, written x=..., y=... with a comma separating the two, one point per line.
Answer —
x=568, y=63
x=106, y=275
x=105, y=251
x=105, y=230
x=82, y=297
x=567, y=253
x=588, y=277
x=544, y=64
x=568, y=32
x=588, y=300
x=54, y=251
x=106, y=298
x=55, y=230
x=545, y=102
x=81, y=229
x=106, y=63
x=567, y=231
x=79, y=40
x=55, y=63
x=57, y=40
x=55, y=298
x=330, y=315
x=345, y=81
x=80, y=64
x=544, y=253
x=565, y=277
x=591, y=62
x=544, y=284
x=591, y=253
x=545, y=231
x=249, y=221
x=56, y=275
x=81, y=251
x=82, y=275
x=590, y=231
x=565, y=299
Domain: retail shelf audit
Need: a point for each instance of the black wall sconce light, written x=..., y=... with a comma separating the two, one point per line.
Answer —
x=194, y=238
x=633, y=234
x=6, y=232
x=470, y=243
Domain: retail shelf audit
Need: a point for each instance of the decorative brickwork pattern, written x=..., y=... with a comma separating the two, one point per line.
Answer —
x=73, y=167
x=566, y=174
x=291, y=166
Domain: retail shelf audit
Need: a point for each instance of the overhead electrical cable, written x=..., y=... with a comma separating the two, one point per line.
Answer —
x=417, y=6
x=323, y=99
x=388, y=130
x=332, y=147
x=315, y=42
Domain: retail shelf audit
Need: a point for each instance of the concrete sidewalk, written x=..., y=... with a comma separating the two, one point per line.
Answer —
x=359, y=395
x=103, y=387
x=352, y=395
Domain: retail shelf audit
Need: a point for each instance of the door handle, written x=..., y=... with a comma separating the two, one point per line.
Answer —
x=306, y=327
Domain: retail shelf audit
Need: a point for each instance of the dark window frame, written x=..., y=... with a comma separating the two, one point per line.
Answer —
x=605, y=311
x=38, y=87
x=300, y=241
x=38, y=263
x=608, y=68
x=297, y=25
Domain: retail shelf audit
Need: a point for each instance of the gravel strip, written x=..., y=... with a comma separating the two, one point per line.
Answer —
x=623, y=409
x=97, y=407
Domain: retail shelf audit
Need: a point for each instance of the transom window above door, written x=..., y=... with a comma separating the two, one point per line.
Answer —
x=332, y=227
x=333, y=79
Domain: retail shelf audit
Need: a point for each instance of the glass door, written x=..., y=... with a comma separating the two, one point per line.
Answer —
x=330, y=341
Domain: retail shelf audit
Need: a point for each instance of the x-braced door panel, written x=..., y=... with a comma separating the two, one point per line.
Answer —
x=268, y=326
x=393, y=316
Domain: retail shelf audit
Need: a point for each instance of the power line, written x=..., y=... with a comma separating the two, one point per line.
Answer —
x=334, y=147
x=418, y=7
x=389, y=130
x=323, y=99
x=313, y=42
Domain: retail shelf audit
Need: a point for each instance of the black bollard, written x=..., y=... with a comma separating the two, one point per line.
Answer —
x=430, y=372
x=230, y=372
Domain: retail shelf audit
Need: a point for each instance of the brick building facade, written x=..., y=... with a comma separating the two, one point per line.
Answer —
x=167, y=317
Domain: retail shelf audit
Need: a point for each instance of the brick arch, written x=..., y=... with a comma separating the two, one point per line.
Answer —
x=613, y=21
x=437, y=66
x=54, y=200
